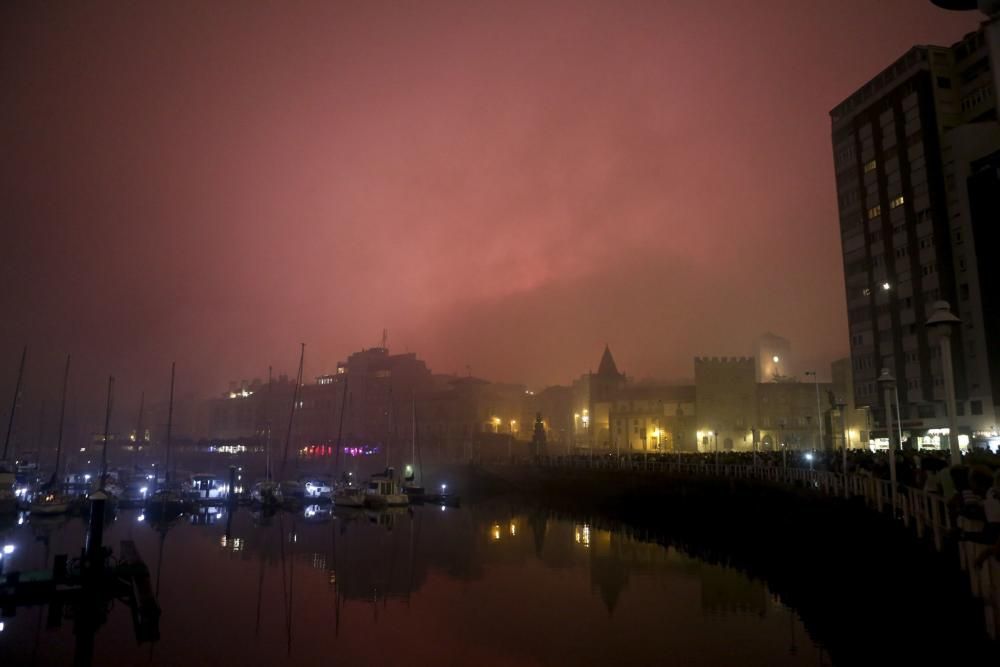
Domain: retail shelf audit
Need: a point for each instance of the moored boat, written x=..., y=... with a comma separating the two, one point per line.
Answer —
x=266, y=494
x=49, y=504
x=384, y=491
x=349, y=496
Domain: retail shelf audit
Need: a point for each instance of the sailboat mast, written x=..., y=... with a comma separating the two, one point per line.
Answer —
x=291, y=415
x=62, y=418
x=340, y=426
x=13, y=405
x=170, y=421
x=389, y=430
x=267, y=426
x=107, y=431
x=418, y=462
x=138, y=429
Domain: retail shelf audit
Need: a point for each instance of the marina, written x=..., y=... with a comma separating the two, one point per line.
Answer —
x=361, y=586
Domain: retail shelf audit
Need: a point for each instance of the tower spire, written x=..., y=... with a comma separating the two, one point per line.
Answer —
x=607, y=366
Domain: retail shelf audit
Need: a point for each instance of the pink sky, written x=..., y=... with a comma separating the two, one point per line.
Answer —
x=502, y=185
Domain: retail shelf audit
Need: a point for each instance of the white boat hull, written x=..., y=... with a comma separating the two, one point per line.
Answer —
x=48, y=509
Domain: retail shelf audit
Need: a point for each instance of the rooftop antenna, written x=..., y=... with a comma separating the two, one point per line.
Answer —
x=385, y=339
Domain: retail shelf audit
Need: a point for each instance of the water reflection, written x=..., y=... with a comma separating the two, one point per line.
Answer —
x=362, y=587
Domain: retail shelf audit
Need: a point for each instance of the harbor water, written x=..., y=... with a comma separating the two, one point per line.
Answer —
x=422, y=585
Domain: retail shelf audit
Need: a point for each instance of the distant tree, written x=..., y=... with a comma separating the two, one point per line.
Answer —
x=538, y=436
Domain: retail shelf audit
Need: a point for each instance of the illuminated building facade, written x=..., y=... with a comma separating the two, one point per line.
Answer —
x=774, y=358
x=913, y=149
x=593, y=396
x=653, y=418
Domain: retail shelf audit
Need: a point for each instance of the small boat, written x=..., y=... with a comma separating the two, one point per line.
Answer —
x=349, y=496
x=49, y=504
x=266, y=494
x=134, y=495
x=317, y=488
x=165, y=505
x=206, y=487
x=384, y=491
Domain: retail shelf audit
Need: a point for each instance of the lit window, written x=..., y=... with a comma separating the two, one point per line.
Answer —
x=870, y=166
x=897, y=202
x=874, y=212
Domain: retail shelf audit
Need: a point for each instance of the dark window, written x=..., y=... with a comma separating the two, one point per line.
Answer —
x=925, y=410
x=977, y=407
x=943, y=82
x=960, y=408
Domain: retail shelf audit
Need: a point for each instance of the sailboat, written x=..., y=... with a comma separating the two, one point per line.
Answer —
x=50, y=502
x=167, y=502
x=107, y=487
x=347, y=493
x=383, y=490
x=8, y=478
x=267, y=493
x=292, y=491
x=411, y=488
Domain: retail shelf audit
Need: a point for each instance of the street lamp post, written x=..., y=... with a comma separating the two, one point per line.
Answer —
x=716, y=434
x=819, y=411
x=841, y=407
x=943, y=321
x=781, y=443
x=888, y=386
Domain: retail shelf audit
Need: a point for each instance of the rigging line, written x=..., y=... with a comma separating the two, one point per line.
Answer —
x=62, y=420
x=13, y=406
x=107, y=434
x=340, y=428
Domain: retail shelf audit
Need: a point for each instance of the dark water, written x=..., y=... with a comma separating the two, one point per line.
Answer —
x=469, y=586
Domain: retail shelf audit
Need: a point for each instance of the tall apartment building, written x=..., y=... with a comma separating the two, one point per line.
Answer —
x=909, y=146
